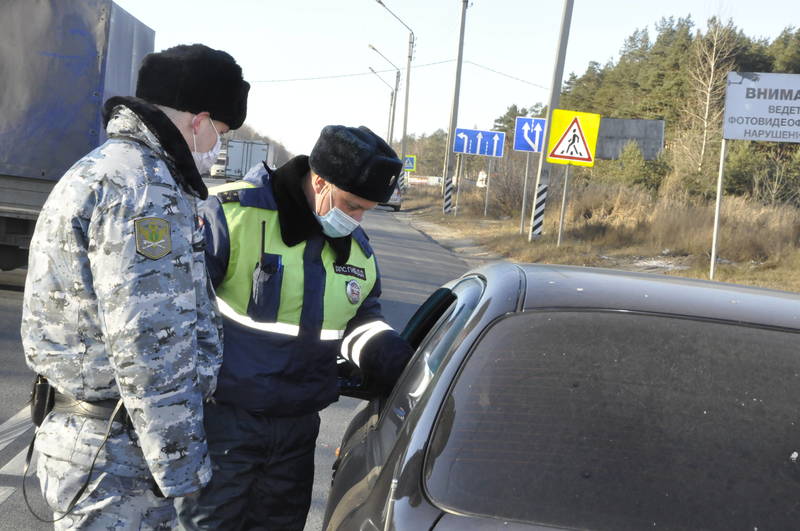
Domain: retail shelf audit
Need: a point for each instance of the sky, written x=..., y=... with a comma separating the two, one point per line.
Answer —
x=308, y=61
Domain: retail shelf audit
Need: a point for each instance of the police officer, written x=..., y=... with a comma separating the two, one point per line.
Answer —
x=297, y=284
x=118, y=312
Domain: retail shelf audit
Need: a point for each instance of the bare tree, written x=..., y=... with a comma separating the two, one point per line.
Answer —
x=712, y=57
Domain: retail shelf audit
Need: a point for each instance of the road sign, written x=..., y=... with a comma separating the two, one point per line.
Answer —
x=615, y=133
x=529, y=134
x=762, y=107
x=410, y=163
x=477, y=142
x=573, y=138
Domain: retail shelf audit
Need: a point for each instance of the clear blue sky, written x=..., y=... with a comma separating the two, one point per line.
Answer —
x=280, y=40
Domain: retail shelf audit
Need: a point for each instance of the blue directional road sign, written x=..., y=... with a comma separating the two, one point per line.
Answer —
x=529, y=134
x=477, y=142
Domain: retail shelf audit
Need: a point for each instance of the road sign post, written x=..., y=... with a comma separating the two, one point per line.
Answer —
x=573, y=141
x=524, y=193
x=488, y=184
x=563, y=205
x=459, y=168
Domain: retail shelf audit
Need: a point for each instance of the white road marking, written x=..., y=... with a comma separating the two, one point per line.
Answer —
x=16, y=466
x=15, y=426
x=5, y=493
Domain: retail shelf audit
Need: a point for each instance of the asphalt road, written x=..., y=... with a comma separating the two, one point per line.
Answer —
x=412, y=266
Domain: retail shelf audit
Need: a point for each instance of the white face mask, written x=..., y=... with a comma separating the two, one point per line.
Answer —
x=204, y=161
x=336, y=224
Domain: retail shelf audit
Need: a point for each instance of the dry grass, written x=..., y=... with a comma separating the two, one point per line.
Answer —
x=614, y=226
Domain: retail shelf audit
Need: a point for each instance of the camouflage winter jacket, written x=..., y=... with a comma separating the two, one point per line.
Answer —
x=117, y=301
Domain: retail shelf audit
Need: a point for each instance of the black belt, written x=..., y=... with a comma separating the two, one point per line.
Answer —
x=101, y=409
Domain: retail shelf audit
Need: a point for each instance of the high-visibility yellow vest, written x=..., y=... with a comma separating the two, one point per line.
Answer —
x=266, y=280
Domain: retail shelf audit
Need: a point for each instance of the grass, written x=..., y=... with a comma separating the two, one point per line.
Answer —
x=618, y=227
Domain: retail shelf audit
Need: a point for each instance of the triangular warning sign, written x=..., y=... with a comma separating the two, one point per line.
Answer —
x=572, y=145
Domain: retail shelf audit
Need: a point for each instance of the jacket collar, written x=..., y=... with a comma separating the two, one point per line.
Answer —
x=144, y=122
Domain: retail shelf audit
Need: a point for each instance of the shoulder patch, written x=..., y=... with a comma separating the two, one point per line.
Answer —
x=153, y=239
x=230, y=196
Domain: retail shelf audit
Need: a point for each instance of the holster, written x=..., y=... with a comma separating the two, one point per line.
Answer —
x=42, y=399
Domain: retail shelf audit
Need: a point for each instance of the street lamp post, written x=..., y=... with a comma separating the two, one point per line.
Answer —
x=402, y=182
x=391, y=105
x=396, y=87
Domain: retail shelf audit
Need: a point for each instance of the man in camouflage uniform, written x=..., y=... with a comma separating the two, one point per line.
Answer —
x=118, y=305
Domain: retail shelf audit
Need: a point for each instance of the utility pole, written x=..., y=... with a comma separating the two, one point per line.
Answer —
x=402, y=183
x=394, y=97
x=391, y=106
x=555, y=95
x=448, y=158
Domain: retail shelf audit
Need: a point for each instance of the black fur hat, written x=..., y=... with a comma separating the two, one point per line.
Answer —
x=195, y=78
x=357, y=161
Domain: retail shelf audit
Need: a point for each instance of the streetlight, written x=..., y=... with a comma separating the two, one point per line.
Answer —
x=396, y=87
x=408, y=82
x=391, y=105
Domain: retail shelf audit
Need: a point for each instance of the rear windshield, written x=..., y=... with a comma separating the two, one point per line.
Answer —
x=620, y=421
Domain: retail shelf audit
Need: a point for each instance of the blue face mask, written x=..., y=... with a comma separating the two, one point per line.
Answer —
x=336, y=224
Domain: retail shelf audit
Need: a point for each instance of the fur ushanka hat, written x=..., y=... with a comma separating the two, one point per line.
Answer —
x=356, y=160
x=195, y=78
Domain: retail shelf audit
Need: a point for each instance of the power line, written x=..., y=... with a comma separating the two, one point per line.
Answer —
x=359, y=74
x=339, y=76
x=508, y=75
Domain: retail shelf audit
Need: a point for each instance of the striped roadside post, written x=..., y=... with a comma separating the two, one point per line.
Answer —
x=448, y=195
x=401, y=182
x=538, y=212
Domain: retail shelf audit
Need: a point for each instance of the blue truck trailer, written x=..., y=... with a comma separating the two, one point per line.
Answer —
x=59, y=61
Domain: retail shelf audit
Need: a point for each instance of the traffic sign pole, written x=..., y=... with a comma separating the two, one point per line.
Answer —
x=563, y=205
x=524, y=193
x=488, y=182
x=717, y=209
x=555, y=92
x=459, y=169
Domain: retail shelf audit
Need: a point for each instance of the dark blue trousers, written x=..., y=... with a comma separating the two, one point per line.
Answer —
x=263, y=472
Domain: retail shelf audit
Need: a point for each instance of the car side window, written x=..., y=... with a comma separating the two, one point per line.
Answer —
x=430, y=355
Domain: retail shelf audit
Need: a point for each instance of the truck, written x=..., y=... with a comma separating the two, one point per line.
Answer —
x=60, y=60
x=241, y=155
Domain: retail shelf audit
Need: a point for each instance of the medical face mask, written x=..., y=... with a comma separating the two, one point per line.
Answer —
x=204, y=161
x=336, y=224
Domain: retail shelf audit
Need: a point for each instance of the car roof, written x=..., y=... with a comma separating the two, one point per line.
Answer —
x=572, y=287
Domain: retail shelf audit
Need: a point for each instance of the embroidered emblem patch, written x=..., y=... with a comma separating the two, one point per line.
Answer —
x=353, y=291
x=152, y=237
x=350, y=270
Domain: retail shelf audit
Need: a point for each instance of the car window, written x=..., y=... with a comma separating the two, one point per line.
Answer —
x=617, y=421
x=429, y=356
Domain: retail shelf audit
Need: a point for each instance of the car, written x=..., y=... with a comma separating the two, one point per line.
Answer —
x=395, y=201
x=556, y=397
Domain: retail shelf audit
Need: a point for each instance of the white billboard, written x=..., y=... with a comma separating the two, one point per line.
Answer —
x=762, y=107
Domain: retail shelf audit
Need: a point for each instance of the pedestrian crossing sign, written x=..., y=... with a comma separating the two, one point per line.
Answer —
x=573, y=138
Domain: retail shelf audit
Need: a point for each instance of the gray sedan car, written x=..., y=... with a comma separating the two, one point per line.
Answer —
x=549, y=397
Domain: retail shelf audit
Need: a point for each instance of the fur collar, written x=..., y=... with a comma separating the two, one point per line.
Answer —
x=178, y=158
x=298, y=222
